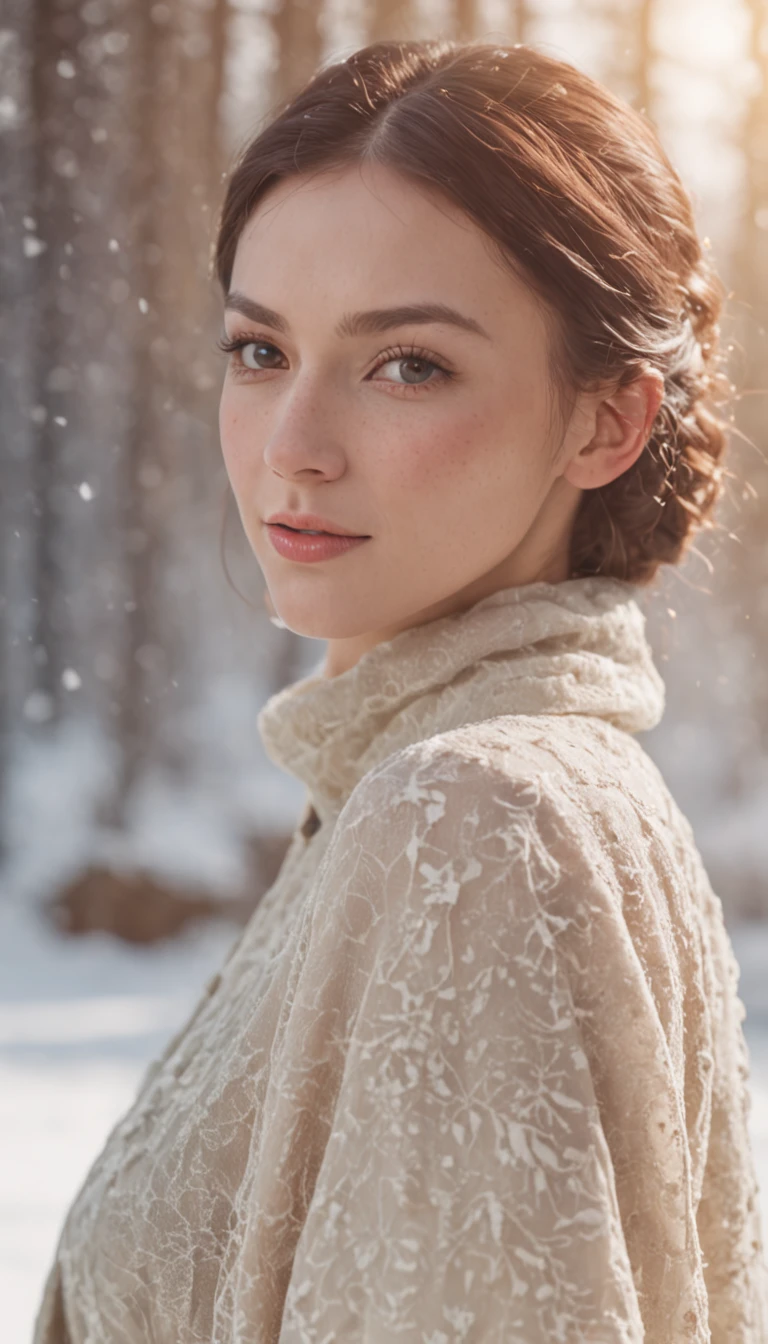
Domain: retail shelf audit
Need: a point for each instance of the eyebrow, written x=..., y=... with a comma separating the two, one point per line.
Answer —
x=371, y=322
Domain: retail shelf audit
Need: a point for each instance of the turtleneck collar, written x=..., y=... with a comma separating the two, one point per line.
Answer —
x=575, y=647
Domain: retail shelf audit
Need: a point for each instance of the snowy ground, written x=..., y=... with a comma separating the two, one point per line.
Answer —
x=79, y=1021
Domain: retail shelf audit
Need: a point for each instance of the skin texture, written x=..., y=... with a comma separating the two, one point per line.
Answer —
x=465, y=484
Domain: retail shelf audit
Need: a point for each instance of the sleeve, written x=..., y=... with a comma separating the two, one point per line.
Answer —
x=729, y=1214
x=50, y=1326
x=465, y=1191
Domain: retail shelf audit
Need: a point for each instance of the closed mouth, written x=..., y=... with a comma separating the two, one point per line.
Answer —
x=314, y=532
x=305, y=531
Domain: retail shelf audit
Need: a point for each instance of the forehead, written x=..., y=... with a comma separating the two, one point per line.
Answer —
x=366, y=235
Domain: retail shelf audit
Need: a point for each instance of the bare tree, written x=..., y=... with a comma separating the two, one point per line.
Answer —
x=390, y=19
x=464, y=20
x=57, y=80
x=522, y=20
x=20, y=248
x=631, y=54
x=298, y=39
x=644, y=56
x=748, y=571
x=174, y=159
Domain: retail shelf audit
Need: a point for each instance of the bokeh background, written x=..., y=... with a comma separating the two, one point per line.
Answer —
x=140, y=820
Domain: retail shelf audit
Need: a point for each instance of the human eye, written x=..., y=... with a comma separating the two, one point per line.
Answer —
x=241, y=367
x=413, y=354
x=235, y=345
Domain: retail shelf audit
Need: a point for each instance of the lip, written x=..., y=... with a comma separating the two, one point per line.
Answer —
x=314, y=521
x=309, y=550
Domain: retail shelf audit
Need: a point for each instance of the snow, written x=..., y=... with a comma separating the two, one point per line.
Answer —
x=81, y=1018
x=187, y=832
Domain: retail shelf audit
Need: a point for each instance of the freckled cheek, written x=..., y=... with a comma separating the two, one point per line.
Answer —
x=439, y=465
x=236, y=432
x=438, y=458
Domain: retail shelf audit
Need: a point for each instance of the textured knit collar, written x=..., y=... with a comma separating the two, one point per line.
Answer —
x=575, y=647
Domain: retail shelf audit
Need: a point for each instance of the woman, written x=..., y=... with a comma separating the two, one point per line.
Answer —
x=475, y=1069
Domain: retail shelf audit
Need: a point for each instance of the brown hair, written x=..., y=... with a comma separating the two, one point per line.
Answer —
x=575, y=190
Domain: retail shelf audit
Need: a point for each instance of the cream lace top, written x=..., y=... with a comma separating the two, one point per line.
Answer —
x=474, y=1072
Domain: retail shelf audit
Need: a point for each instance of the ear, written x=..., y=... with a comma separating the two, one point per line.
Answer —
x=617, y=427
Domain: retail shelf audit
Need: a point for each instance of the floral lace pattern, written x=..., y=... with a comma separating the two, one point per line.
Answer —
x=474, y=1072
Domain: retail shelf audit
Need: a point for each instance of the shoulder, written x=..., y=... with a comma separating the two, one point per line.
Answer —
x=554, y=804
x=445, y=865
x=456, y=814
x=470, y=849
x=525, y=759
x=464, y=767
x=575, y=767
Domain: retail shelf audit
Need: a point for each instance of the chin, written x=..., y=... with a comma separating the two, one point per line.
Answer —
x=305, y=615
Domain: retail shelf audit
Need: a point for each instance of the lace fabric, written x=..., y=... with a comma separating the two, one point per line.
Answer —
x=475, y=1069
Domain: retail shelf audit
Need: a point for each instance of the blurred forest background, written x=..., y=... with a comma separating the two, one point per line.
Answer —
x=135, y=796
x=131, y=775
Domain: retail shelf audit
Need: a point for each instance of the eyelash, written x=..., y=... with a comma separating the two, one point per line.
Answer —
x=396, y=352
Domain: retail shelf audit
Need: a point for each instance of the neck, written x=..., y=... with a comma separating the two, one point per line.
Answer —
x=343, y=654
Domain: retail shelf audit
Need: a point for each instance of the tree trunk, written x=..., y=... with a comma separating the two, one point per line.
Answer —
x=175, y=162
x=387, y=20
x=298, y=38
x=747, y=588
x=20, y=256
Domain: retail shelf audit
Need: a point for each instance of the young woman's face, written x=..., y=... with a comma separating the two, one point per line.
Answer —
x=431, y=438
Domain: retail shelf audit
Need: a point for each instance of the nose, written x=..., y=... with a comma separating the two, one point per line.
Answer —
x=301, y=441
